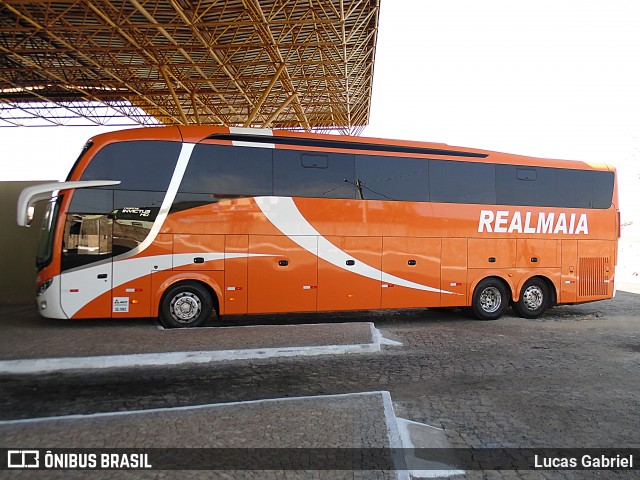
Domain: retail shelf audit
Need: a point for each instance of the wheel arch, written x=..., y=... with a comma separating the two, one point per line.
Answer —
x=545, y=277
x=498, y=276
x=212, y=287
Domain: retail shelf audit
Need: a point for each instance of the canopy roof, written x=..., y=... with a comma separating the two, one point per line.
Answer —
x=270, y=63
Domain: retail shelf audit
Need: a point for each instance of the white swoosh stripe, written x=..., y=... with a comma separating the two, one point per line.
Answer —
x=136, y=267
x=265, y=132
x=84, y=276
x=172, y=190
x=125, y=271
x=283, y=213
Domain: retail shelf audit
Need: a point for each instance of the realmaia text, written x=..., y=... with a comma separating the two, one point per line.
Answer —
x=504, y=221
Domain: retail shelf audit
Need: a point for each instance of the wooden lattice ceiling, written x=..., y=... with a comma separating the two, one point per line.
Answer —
x=276, y=63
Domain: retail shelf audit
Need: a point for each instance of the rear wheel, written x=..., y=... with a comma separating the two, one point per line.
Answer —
x=534, y=299
x=490, y=299
x=184, y=305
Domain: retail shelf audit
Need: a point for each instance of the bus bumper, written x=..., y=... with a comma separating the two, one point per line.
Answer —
x=48, y=300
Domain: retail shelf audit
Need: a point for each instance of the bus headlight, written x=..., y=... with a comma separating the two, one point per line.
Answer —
x=43, y=288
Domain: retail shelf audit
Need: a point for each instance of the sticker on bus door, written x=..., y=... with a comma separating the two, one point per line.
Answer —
x=121, y=304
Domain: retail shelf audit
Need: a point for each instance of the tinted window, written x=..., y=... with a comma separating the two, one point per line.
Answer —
x=88, y=228
x=91, y=200
x=103, y=223
x=133, y=216
x=585, y=189
x=124, y=199
x=139, y=165
x=393, y=178
x=311, y=160
x=322, y=175
x=553, y=187
x=228, y=172
x=535, y=186
x=462, y=182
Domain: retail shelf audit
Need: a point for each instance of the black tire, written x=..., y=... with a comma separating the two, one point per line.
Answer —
x=185, y=305
x=490, y=299
x=534, y=299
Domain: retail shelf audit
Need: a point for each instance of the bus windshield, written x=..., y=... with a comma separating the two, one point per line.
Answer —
x=45, y=245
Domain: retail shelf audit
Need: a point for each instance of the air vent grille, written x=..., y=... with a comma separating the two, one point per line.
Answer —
x=593, y=280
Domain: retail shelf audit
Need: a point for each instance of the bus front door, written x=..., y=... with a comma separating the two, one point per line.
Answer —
x=86, y=277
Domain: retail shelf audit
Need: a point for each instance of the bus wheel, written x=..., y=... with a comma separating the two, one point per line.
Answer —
x=184, y=305
x=534, y=299
x=490, y=299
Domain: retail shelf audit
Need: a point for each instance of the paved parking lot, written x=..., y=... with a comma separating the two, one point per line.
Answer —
x=231, y=436
x=30, y=344
x=27, y=335
x=570, y=379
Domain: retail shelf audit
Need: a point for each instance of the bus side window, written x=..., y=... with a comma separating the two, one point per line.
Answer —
x=553, y=187
x=305, y=174
x=585, y=189
x=219, y=172
x=462, y=182
x=536, y=186
x=228, y=171
x=133, y=216
x=393, y=178
x=314, y=160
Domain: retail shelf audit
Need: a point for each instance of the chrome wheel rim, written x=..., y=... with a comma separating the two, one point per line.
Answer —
x=490, y=299
x=532, y=297
x=185, y=307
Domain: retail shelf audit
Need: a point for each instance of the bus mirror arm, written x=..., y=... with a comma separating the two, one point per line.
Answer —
x=35, y=193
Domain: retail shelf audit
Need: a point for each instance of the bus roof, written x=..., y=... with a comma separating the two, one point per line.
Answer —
x=317, y=141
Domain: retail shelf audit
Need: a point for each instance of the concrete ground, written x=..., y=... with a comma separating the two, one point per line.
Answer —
x=232, y=435
x=32, y=344
x=27, y=335
x=570, y=379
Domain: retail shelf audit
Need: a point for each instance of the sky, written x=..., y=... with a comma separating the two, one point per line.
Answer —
x=555, y=79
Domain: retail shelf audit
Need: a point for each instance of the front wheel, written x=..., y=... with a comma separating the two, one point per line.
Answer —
x=490, y=299
x=184, y=305
x=534, y=299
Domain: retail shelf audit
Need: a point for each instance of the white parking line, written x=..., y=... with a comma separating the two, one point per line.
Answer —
x=195, y=407
x=49, y=365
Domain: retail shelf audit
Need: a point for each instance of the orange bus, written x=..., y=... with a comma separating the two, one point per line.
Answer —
x=182, y=222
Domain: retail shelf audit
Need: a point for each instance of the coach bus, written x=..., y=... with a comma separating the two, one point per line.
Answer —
x=182, y=223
